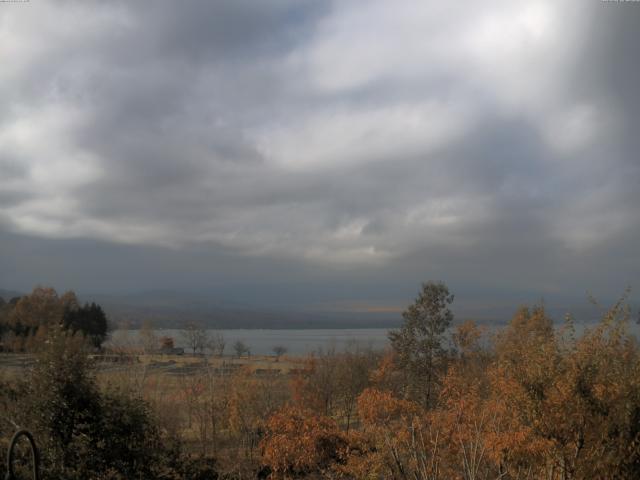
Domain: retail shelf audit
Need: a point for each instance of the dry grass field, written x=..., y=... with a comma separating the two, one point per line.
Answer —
x=215, y=405
x=212, y=404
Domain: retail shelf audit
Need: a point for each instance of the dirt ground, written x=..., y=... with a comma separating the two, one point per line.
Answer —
x=15, y=364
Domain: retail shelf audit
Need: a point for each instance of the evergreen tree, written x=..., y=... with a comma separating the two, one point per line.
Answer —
x=89, y=319
x=418, y=343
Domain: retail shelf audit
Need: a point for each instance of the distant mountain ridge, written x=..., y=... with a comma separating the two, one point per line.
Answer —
x=169, y=309
x=162, y=313
x=7, y=295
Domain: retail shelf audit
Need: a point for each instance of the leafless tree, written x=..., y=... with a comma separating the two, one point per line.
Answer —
x=195, y=336
x=240, y=348
x=279, y=350
x=217, y=344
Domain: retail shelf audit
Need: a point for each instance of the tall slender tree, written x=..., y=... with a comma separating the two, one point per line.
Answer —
x=418, y=343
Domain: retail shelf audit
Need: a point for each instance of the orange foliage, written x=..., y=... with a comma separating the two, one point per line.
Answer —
x=298, y=441
x=387, y=376
x=466, y=338
x=378, y=408
x=541, y=406
x=397, y=440
x=303, y=393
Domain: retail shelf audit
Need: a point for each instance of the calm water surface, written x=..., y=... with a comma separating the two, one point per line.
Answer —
x=297, y=342
x=303, y=341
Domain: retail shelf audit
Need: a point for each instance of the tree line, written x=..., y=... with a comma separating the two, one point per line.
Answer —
x=25, y=321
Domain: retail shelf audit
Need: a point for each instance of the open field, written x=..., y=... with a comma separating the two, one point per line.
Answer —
x=260, y=365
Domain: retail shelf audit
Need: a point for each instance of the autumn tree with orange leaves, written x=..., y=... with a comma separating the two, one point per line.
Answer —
x=298, y=441
x=536, y=403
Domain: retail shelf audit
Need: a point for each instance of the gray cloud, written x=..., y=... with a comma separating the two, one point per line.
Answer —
x=492, y=145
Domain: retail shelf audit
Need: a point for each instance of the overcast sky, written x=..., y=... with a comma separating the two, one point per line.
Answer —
x=321, y=152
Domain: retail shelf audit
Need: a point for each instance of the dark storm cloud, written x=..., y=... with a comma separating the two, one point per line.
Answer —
x=493, y=145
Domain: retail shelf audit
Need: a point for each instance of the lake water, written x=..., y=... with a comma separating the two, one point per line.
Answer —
x=297, y=342
x=301, y=341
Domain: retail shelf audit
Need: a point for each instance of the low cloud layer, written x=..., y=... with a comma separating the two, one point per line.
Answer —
x=491, y=143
